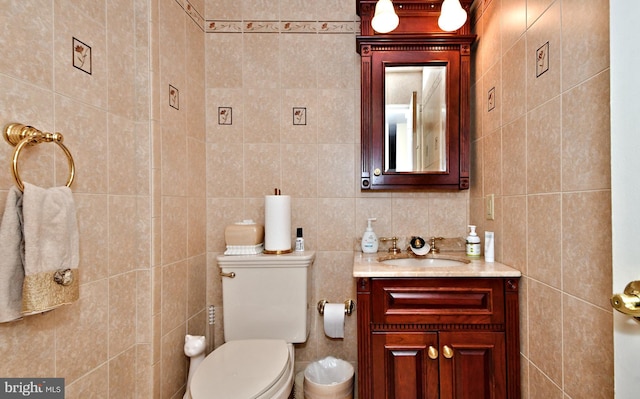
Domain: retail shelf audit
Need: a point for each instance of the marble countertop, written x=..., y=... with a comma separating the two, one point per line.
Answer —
x=369, y=265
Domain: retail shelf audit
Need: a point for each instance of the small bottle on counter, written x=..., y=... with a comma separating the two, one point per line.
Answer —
x=489, y=246
x=299, y=240
x=473, y=242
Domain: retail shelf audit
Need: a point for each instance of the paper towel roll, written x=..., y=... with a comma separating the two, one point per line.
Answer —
x=277, y=223
x=334, y=320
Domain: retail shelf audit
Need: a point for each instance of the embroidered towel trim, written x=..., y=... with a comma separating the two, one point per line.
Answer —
x=51, y=249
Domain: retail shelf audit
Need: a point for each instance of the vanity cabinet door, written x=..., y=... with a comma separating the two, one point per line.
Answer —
x=475, y=368
x=404, y=365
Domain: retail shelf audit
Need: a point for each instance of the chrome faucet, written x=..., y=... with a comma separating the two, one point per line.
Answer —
x=432, y=243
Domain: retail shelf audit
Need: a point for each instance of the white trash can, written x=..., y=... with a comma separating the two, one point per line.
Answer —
x=328, y=378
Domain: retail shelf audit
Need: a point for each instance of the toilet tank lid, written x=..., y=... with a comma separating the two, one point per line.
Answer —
x=294, y=259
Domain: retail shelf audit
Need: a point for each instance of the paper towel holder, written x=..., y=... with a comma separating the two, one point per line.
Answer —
x=349, y=306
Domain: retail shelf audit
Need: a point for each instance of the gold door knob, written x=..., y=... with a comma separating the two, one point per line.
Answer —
x=447, y=352
x=433, y=353
x=628, y=302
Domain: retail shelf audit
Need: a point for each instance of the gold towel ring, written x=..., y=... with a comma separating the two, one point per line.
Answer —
x=19, y=136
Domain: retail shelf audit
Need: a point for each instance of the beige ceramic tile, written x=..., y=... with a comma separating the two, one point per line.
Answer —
x=336, y=218
x=476, y=189
x=448, y=214
x=337, y=59
x=545, y=329
x=174, y=154
x=220, y=129
x=336, y=172
x=544, y=140
x=122, y=234
x=586, y=141
x=122, y=156
x=33, y=20
x=259, y=69
x=514, y=72
x=544, y=240
x=585, y=40
x=514, y=237
x=262, y=109
x=91, y=385
x=336, y=116
x=122, y=375
x=81, y=336
x=300, y=169
x=545, y=30
x=535, y=8
x=71, y=22
x=85, y=131
x=493, y=162
x=587, y=268
x=541, y=387
x=514, y=22
x=122, y=315
x=144, y=371
x=174, y=229
x=144, y=307
x=260, y=10
x=514, y=157
x=491, y=35
x=224, y=61
x=196, y=285
x=174, y=363
x=304, y=213
x=35, y=336
x=197, y=228
x=93, y=227
x=120, y=57
x=226, y=161
x=174, y=297
x=262, y=169
x=222, y=212
x=301, y=65
x=295, y=132
x=588, y=330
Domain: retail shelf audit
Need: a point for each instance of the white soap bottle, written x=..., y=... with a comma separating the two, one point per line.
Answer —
x=473, y=242
x=369, y=239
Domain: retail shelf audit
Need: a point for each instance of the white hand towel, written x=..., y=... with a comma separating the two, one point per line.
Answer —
x=51, y=249
x=11, y=254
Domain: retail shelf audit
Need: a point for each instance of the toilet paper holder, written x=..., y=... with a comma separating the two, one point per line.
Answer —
x=349, y=306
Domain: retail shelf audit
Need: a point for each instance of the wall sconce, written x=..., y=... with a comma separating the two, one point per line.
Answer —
x=385, y=18
x=452, y=16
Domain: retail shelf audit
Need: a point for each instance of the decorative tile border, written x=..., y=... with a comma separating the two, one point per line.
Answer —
x=230, y=26
x=225, y=26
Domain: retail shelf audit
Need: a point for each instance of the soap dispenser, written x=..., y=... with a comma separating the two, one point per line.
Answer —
x=369, y=239
x=473, y=242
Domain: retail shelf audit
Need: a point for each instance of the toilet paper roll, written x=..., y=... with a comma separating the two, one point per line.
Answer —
x=334, y=320
x=277, y=223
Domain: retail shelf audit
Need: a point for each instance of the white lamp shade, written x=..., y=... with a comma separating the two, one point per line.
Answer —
x=452, y=16
x=385, y=18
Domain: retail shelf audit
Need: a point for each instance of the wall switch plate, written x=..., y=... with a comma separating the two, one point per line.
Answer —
x=489, y=207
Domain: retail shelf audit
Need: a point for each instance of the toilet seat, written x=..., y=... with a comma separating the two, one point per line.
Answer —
x=243, y=369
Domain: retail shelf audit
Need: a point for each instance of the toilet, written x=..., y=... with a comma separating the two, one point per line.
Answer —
x=265, y=311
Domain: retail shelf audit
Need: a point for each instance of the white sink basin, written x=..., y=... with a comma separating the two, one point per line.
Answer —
x=424, y=262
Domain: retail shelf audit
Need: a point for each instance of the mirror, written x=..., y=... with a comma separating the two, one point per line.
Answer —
x=415, y=118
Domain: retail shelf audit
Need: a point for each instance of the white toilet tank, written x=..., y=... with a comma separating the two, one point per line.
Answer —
x=267, y=297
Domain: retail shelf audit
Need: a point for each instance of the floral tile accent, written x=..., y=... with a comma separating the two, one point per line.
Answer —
x=81, y=56
x=299, y=116
x=339, y=27
x=542, y=59
x=224, y=26
x=491, y=99
x=174, y=97
x=262, y=26
x=225, y=116
x=299, y=27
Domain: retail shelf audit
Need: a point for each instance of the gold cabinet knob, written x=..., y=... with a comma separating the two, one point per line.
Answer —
x=628, y=302
x=447, y=352
x=432, y=352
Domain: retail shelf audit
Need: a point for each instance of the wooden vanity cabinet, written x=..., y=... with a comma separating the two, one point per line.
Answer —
x=438, y=338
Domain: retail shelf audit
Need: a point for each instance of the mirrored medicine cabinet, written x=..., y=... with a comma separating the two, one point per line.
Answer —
x=415, y=101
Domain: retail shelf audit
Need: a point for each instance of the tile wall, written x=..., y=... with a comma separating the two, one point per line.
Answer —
x=544, y=152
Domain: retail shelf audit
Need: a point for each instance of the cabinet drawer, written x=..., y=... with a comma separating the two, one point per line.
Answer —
x=438, y=301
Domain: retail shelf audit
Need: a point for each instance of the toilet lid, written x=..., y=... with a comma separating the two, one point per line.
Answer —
x=240, y=369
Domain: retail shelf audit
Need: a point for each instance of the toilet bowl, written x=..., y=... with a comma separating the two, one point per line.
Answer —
x=246, y=369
